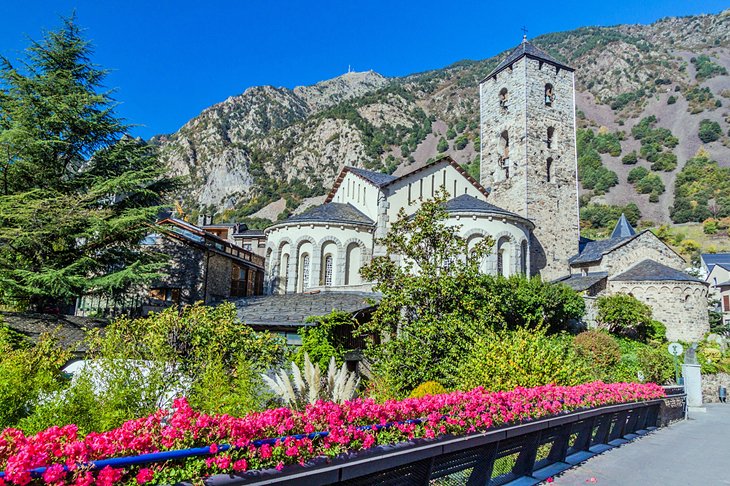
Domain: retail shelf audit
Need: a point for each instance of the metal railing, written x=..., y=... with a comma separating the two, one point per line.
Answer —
x=529, y=452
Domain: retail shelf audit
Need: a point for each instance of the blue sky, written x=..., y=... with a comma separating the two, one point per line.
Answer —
x=171, y=59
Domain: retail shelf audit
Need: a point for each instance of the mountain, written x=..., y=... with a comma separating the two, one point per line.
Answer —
x=641, y=90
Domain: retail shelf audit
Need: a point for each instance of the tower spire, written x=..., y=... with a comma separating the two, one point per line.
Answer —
x=524, y=34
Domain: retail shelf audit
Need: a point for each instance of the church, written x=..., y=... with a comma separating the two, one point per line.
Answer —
x=526, y=200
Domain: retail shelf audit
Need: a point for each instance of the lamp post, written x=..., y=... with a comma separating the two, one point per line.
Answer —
x=675, y=349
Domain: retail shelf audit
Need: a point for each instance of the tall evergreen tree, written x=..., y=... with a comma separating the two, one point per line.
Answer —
x=76, y=194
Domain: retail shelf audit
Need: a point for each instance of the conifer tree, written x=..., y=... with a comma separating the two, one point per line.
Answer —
x=76, y=194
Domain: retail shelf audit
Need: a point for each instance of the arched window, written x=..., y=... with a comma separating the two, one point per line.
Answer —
x=548, y=168
x=353, y=261
x=305, y=272
x=504, y=153
x=549, y=94
x=523, y=257
x=328, y=271
x=503, y=256
x=503, y=98
x=550, y=135
x=283, y=272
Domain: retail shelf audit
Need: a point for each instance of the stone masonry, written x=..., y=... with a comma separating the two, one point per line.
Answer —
x=528, y=156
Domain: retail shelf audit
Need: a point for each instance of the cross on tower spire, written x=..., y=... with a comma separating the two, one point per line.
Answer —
x=524, y=33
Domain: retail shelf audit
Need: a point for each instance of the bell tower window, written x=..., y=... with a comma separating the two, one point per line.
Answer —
x=550, y=136
x=548, y=168
x=503, y=158
x=503, y=98
x=549, y=94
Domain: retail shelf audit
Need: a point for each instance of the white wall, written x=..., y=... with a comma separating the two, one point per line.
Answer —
x=360, y=193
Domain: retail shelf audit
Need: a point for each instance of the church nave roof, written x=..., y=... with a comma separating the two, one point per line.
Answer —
x=654, y=271
x=470, y=204
x=332, y=213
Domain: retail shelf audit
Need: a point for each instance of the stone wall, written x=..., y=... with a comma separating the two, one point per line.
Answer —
x=218, y=277
x=644, y=246
x=539, y=179
x=185, y=269
x=681, y=306
x=710, y=385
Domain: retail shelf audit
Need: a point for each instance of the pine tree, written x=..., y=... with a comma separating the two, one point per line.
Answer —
x=77, y=194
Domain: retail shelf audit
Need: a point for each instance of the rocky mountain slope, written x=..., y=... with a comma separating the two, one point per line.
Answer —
x=263, y=153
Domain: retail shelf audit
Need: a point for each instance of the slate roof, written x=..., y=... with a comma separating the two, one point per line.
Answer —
x=724, y=284
x=471, y=204
x=377, y=178
x=623, y=228
x=654, y=271
x=593, y=251
x=712, y=259
x=527, y=49
x=250, y=232
x=332, y=212
x=293, y=309
x=70, y=330
x=579, y=282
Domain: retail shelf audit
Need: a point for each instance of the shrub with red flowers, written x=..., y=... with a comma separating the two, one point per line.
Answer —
x=277, y=437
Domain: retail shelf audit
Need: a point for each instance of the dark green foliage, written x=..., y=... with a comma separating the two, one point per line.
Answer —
x=606, y=216
x=705, y=68
x=624, y=315
x=631, y=158
x=607, y=143
x=599, y=348
x=671, y=100
x=699, y=98
x=637, y=173
x=624, y=99
x=709, y=131
x=650, y=184
x=591, y=171
x=450, y=134
x=436, y=307
x=656, y=144
x=461, y=142
x=326, y=339
x=443, y=145
x=700, y=182
x=77, y=195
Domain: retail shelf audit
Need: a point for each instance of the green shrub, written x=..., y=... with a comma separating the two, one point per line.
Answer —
x=709, y=227
x=443, y=145
x=651, y=183
x=637, y=173
x=461, y=142
x=665, y=161
x=599, y=348
x=705, y=68
x=671, y=100
x=324, y=340
x=709, y=131
x=450, y=134
x=427, y=388
x=631, y=158
x=624, y=315
x=524, y=357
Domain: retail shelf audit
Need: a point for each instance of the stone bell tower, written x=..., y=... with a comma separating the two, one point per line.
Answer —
x=528, y=152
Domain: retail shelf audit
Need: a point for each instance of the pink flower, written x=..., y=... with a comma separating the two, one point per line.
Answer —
x=213, y=448
x=144, y=475
x=54, y=474
x=240, y=465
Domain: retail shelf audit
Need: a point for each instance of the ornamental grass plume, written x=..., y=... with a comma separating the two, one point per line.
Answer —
x=282, y=436
x=307, y=386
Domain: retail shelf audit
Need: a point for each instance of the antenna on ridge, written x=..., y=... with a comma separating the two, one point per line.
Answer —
x=524, y=33
x=349, y=69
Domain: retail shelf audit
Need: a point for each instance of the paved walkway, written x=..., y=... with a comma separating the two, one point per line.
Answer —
x=691, y=452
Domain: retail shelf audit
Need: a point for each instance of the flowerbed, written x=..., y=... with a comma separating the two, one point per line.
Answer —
x=59, y=455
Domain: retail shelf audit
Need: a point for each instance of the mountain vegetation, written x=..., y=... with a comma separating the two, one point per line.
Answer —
x=647, y=95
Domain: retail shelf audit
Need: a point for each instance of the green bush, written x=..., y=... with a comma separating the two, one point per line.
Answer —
x=671, y=100
x=524, y=357
x=709, y=227
x=665, y=161
x=443, y=145
x=631, y=158
x=427, y=388
x=650, y=184
x=461, y=142
x=600, y=348
x=709, y=131
x=705, y=68
x=624, y=315
x=637, y=173
x=325, y=339
x=138, y=365
x=700, y=181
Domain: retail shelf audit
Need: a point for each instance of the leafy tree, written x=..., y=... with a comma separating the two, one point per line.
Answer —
x=77, y=194
x=443, y=145
x=630, y=158
x=624, y=315
x=671, y=100
x=701, y=184
x=432, y=308
x=705, y=68
x=637, y=173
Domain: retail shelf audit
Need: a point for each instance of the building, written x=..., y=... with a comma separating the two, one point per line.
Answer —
x=716, y=270
x=526, y=200
x=642, y=265
x=202, y=266
x=239, y=233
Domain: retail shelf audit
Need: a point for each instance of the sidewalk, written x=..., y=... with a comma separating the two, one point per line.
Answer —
x=691, y=452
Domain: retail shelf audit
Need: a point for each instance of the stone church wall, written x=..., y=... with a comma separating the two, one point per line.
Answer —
x=681, y=306
x=645, y=246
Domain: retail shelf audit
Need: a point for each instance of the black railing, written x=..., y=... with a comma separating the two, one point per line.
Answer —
x=530, y=452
